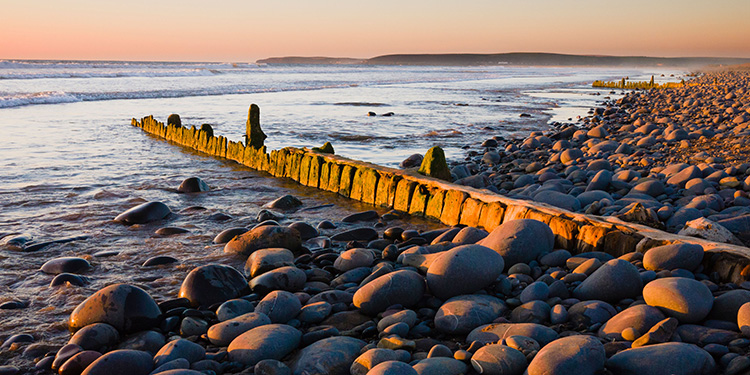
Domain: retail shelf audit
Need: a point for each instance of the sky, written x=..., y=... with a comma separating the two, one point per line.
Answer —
x=247, y=30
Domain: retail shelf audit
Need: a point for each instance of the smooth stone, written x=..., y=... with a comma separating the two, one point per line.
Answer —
x=743, y=319
x=264, y=237
x=440, y=366
x=125, y=307
x=702, y=336
x=213, y=283
x=393, y=368
x=669, y=358
x=496, y=359
x=147, y=341
x=588, y=313
x=333, y=355
x=354, y=258
x=280, y=306
x=555, y=258
x=193, y=185
x=520, y=241
x=271, y=341
x=640, y=318
x=65, y=265
x=192, y=326
x=371, y=358
x=144, y=213
x=653, y=188
x=286, y=202
x=727, y=305
x=64, y=354
x=613, y=281
x=179, y=348
x=234, y=308
x=170, y=231
x=222, y=334
x=687, y=300
x=492, y=333
x=669, y=257
x=361, y=216
x=17, y=338
x=408, y=317
x=356, y=234
x=578, y=354
x=98, y=336
x=265, y=260
x=558, y=199
x=402, y=287
x=180, y=372
x=271, y=367
x=315, y=312
x=531, y=312
x=469, y=235
x=333, y=297
x=228, y=234
x=463, y=270
x=288, y=278
x=536, y=291
x=306, y=231
x=77, y=363
x=159, y=261
x=68, y=279
x=121, y=362
x=461, y=314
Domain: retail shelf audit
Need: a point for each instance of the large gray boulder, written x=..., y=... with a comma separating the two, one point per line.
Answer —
x=580, y=355
x=669, y=358
x=128, y=308
x=271, y=341
x=611, y=282
x=463, y=270
x=668, y=257
x=402, y=287
x=520, y=241
x=213, y=283
x=687, y=300
x=461, y=314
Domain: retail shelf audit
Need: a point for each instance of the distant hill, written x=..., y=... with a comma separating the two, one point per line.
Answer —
x=311, y=60
x=518, y=58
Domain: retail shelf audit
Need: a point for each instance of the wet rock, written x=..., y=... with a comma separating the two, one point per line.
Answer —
x=434, y=164
x=64, y=354
x=264, y=237
x=461, y=314
x=180, y=348
x=413, y=161
x=144, y=213
x=147, y=341
x=496, y=359
x=271, y=341
x=265, y=260
x=77, y=363
x=667, y=358
x=159, y=261
x=613, y=281
x=65, y=265
x=356, y=234
x=333, y=355
x=125, y=307
x=687, y=300
x=286, y=202
x=227, y=234
x=402, y=287
x=213, y=283
x=222, y=334
x=569, y=355
x=254, y=135
x=121, y=362
x=98, y=336
x=280, y=306
x=463, y=270
x=193, y=185
x=669, y=257
x=520, y=241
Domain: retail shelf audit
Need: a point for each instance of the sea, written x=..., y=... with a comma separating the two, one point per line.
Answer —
x=70, y=161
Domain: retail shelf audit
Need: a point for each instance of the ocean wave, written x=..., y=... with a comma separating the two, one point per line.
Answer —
x=46, y=97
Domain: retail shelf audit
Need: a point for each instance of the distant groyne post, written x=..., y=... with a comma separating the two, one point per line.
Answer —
x=254, y=135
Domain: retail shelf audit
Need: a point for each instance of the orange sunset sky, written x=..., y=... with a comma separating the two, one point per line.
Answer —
x=247, y=30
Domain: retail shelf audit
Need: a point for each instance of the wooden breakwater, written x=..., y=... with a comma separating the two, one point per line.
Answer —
x=415, y=194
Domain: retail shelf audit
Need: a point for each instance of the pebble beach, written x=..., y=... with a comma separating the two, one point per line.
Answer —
x=302, y=287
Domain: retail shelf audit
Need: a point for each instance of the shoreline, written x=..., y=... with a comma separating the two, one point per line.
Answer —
x=387, y=298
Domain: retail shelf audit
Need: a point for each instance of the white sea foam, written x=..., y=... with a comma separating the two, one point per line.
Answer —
x=46, y=97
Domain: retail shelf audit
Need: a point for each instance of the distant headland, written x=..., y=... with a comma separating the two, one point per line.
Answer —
x=516, y=59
